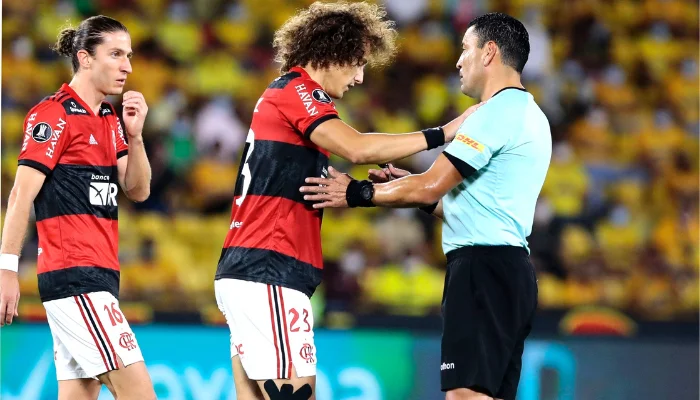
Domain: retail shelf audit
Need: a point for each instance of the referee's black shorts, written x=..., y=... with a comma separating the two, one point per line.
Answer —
x=488, y=305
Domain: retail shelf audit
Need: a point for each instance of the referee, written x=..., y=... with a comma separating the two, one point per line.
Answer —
x=484, y=186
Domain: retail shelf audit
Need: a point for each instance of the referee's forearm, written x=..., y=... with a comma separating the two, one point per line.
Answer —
x=138, y=171
x=406, y=192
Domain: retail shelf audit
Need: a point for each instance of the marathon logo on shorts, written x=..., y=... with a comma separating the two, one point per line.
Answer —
x=470, y=142
x=306, y=99
x=446, y=366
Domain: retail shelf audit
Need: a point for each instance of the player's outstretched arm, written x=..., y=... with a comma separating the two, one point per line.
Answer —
x=420, y=190
x=340, y=138
x=390, y=173
x=134, y=168
x=28, y=182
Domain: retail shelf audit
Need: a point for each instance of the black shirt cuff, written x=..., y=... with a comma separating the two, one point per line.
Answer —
x=315, y=124
x=464, y=169
x=36, y=165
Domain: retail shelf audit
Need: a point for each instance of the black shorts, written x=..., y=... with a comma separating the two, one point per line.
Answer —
x=488, y=305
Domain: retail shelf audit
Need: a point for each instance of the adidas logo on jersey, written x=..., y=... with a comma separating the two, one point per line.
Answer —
x=92, y=140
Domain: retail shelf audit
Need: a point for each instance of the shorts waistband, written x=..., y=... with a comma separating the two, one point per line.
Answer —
x=504, y=250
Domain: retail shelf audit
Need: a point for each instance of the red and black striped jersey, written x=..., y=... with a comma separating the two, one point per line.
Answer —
x=274, y=234
x=76, y=208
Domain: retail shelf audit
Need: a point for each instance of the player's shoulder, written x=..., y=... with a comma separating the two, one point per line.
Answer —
x=49, y=105
x=286, y=80
x=295, y=81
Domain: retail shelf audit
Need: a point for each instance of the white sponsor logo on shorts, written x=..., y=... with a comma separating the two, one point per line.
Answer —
x=445, y=366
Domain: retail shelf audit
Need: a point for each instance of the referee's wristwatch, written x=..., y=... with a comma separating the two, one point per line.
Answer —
x=367, y=192
x=359, y=194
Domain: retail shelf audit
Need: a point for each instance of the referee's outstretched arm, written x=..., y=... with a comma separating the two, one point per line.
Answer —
x=418, y=190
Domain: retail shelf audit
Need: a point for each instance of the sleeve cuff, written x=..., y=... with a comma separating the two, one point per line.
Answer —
x=464, y=169
x=36, y=165
x=316, y=123
x=122, y=154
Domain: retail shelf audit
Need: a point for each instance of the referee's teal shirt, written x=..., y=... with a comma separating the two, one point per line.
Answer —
x=503, y=149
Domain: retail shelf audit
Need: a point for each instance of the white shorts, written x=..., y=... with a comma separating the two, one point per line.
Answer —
x=89, y=333
x=272, y=328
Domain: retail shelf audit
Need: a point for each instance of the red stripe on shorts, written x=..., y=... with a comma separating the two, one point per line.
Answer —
x=274, y=331
x=286, y=336
x=114, y=354
x=80, y=307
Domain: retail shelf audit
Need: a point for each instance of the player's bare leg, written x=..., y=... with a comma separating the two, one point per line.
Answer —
x=466, y=394
x=289, y=389
x=129, y=383
x=79, y=389
x=246, y=388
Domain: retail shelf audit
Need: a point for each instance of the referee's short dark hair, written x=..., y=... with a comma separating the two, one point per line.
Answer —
x=508, y=33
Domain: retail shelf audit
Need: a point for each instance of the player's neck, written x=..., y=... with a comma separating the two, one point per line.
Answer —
x=499, y=80
x=317, y=75
x=87, y=92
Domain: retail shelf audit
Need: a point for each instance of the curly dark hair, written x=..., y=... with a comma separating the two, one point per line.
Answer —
x=338, y=33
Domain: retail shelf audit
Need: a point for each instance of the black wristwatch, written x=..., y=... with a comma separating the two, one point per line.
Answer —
x=360, y=194
x=367, y=193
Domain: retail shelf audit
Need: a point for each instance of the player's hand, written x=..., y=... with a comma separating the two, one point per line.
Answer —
x=328, y=192
x=451, y=127
x=9, y=296
x=387, y=174
x=134, y=115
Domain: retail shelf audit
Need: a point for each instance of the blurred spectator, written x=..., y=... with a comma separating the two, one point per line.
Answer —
x=617, y=221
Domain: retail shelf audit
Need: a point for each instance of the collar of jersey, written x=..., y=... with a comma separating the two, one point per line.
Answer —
x=300, y=70
x=75, y=96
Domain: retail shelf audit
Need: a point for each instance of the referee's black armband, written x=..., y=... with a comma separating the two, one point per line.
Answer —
x=435, y=137
x=429, y=208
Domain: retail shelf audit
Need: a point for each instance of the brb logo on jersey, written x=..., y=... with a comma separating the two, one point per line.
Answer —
x=102, y=193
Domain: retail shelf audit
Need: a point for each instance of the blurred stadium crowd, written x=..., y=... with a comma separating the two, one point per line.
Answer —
x=617, y=221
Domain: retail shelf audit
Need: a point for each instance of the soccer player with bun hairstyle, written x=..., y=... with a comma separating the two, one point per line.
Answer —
x=271, y=261
x=74, y=156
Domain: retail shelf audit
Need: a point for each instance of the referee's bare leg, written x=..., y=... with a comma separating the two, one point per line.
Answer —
x=129, y=383
x=466, y=394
